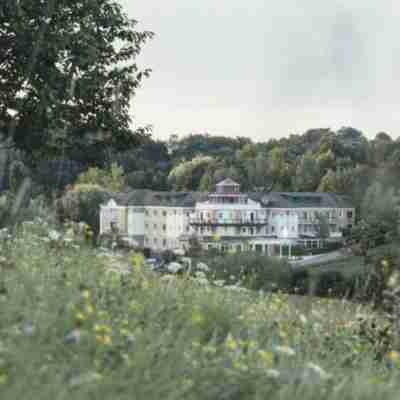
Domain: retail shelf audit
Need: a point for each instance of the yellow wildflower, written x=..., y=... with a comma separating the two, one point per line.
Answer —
x=231, y=343
x=124, y=332
x=240, y=366
x=89, y=309
x=266, y=357
x=104, y=339
x=394, y=357
x=80, y=317
x=102, y=329
x=197, y=317
x=86, y=294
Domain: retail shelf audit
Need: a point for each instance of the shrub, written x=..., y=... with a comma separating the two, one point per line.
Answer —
x=330, y=283
x=82, y=204
x=254, y=271
x=300, y=282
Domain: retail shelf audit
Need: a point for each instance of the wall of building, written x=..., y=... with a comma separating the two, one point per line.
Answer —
x=161, y=227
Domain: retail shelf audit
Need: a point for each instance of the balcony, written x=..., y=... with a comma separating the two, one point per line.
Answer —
x=231, y=221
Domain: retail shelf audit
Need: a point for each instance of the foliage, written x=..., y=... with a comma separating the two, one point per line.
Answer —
x=68, y=72
x=54, y=175
x=82, y=204
x=252, y=270
x=112, y=180
x=187, y=175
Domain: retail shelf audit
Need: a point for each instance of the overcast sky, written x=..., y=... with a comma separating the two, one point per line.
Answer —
x=263, y=68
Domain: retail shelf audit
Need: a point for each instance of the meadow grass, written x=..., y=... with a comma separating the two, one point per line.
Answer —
x=78, y=323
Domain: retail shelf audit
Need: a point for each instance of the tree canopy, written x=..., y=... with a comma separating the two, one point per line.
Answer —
x=67, y=74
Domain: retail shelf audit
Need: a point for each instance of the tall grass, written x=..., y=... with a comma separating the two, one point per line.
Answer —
x=73, y=327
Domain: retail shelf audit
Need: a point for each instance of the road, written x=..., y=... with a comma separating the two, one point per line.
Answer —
x=318, y=259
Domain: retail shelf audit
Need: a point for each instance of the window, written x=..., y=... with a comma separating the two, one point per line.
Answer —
x=164, y=227
x=155, y=212
x=155, y=240
x=164, y=242
x=244, y=230
x=155, y=226
x=349, y=214
x=272, y=229
x=147, y=226
x=164, y=213
x=251, y=231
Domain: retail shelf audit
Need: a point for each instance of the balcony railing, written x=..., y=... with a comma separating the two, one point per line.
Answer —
x=228, y=221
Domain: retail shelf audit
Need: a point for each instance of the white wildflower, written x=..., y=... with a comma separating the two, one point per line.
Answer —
x=54, y=235
x=318, y=371
x=203, y=267
x=200, y=274
x=73, y=337
x=219, y=283
x=286, y=350
x=29, y=329
x=393, y=280
x=303, y=319
x=174, y=267
x=88, y=377
x=273, y=373
x=201, y=281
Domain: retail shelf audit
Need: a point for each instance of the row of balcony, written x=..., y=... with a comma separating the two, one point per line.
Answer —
x=226, y=221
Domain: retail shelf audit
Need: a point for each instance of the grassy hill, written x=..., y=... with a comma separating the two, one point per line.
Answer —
x=78, y=323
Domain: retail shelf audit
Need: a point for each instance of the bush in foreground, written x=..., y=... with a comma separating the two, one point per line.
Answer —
x=252, y=270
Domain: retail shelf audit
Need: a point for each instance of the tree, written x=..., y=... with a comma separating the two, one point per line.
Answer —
x=112, y=179
x=380, y=207
x=67, y=74
x=322, y=226
x=187, y=175
x=279, y=168
x=339, y=181
x=307, y=174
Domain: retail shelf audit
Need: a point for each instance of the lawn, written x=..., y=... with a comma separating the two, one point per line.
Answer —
x=76, y=323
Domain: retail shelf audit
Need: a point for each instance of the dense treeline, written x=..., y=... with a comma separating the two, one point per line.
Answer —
x=318, y=160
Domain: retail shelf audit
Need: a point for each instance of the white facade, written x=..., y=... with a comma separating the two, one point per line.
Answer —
x=228, y=220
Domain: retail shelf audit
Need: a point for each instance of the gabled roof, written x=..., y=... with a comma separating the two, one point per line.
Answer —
x=302, y=200
x=144, y=197
x=227, y=182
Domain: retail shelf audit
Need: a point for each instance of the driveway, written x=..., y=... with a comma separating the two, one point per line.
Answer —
x=318, y=259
